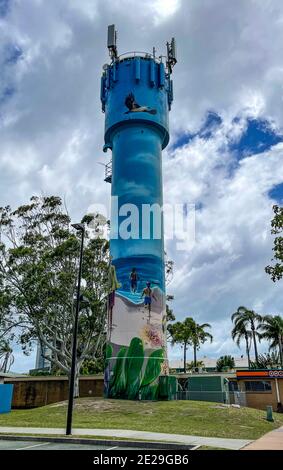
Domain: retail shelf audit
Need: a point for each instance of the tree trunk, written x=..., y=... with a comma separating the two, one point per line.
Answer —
x=195, y=356
x=280, y=350
x=76, y=383
x=77, y=386
x=254, y=340
x=5, y=364
x=248, y=351
x=185, y=357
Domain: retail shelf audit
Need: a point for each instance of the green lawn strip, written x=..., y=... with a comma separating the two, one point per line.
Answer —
x=173, y=417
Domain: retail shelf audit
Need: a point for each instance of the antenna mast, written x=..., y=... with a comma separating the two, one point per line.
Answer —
x=112, y=42
x=171, y=55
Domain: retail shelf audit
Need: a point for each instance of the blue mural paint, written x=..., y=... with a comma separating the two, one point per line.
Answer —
x=136, y=95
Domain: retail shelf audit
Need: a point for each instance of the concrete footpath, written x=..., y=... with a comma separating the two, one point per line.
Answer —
x=273, y=440
x=233, y=444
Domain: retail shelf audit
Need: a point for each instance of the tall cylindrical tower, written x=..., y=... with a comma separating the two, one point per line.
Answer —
x=136, y=95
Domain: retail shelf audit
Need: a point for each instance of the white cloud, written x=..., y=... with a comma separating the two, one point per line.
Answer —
x=225, y=268
x=164, y=9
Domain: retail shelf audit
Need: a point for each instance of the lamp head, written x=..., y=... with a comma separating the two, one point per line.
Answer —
x=79, y=227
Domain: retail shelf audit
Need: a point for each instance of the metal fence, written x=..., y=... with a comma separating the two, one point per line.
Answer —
x=202, y=395
x=229, y=398
x=238, y=398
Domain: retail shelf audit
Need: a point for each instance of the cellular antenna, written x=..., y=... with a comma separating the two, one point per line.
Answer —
x=171, y=55
x=112, y=41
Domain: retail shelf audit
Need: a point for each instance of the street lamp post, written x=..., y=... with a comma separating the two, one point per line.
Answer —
x=80, y=228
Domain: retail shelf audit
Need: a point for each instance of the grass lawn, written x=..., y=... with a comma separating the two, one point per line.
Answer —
x=176, y=417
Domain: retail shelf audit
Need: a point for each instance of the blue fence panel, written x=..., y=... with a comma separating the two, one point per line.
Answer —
x=6, y=395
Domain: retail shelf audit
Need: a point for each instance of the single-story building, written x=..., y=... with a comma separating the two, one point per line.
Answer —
x=262, y=387
x=31, y=392
x=251, y=388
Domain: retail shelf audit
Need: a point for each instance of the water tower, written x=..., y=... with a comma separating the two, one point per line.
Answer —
x=136, y=97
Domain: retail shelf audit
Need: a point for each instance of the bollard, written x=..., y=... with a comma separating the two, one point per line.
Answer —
x=269, y=416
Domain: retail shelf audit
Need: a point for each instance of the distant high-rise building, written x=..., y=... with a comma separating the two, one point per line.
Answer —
x=41, y=362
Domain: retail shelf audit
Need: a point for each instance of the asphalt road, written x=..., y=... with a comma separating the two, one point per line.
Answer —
x=32, y=445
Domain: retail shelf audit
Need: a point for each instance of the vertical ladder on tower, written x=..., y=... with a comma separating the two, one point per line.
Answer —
x=108, y=172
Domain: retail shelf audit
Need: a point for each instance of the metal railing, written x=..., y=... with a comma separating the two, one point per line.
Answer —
x=146, y=55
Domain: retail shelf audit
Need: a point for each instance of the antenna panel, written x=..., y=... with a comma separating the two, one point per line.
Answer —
x=173, y=49
x=111, y=37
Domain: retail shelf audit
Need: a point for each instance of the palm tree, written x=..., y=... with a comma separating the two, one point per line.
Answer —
x=6, y=354
x=181, y=332
x=199, y=336
x=240, y=332
x=272, y=327
x=245, y=317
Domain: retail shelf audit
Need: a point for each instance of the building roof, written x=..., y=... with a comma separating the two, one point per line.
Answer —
x=8, y=375
x=46, y=378
x=208, y=362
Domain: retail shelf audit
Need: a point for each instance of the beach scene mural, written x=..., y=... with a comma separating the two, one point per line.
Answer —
x=136, y=327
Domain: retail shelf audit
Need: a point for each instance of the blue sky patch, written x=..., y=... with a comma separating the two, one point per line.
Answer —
x=276, y=193
x=258, y=138
x=212, y=121
x=4, y=7
x=182, y=140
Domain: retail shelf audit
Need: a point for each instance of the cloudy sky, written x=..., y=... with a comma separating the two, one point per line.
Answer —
x=226, y=143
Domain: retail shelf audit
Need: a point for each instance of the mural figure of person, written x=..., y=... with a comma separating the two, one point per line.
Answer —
x=134, y=107
x=148, y=296
x=134, y=280
x=113, y=284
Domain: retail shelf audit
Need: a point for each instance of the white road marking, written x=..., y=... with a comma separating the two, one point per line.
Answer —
x=35, y=445
x=111, y=448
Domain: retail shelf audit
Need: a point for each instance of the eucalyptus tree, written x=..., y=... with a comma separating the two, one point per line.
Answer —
x=7, y=319
x=244, y=317
x=39, y=264
x=276, y=270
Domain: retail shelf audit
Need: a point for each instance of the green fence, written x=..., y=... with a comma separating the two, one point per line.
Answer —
x=200, y=395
